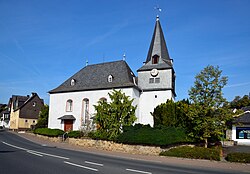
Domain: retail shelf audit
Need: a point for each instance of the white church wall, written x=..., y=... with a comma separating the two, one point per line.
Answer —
x=58, y=101
x=148, y=101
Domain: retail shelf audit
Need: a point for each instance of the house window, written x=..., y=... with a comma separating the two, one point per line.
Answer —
x=26, y=121
x=34, y=121
x=85, y=107
x=157, y=80
x=151, y=80
x=155, y=59
x=110, y=78
x=69, y=106
x=243, y=132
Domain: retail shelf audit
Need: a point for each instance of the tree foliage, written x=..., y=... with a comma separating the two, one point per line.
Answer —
x=239, y=102
x=43, y=117
x=171, y=114
x=110, y=117
x=208, y=110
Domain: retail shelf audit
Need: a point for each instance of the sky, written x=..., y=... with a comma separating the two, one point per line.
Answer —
x=43, y=43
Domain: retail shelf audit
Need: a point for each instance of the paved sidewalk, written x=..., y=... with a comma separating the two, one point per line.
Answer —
x=158, y=159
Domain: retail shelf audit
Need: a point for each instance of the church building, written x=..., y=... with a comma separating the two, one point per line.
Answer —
x=71, y=103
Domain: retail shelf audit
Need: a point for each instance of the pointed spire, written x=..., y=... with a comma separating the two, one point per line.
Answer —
x=158, y=45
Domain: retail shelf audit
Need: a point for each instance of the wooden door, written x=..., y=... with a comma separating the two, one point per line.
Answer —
x=68, y=125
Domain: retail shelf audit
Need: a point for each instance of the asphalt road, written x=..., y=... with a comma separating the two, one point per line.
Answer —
x=18, y=155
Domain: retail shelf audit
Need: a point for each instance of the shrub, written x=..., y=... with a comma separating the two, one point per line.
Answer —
x=194, y=153
x=49, y=132
x=160, y=136
x=238, y=157
x=75, y=134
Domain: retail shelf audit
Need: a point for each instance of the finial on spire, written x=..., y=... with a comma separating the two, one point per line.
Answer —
x=124, y=57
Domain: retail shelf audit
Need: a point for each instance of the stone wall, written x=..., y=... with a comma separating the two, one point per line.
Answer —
x=112, y=146
x=107, y=145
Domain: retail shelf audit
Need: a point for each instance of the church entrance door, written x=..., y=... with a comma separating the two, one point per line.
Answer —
x=68, y=125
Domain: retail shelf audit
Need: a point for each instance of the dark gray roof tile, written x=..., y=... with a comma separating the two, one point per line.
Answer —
x=95, y=76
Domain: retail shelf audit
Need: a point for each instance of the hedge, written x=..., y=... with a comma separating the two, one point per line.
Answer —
x=145, y=135
x=194, y=153
x=75, y=134
x=238, y=157
x=49, y=132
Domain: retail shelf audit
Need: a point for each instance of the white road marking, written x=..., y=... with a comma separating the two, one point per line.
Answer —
x=77, y=165
x=138, y=171
x=93, y=163
x=14, y=146
x=47, y=154
x=35, y=152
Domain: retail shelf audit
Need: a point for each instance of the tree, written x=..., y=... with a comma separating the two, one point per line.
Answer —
x=43, y=117
x=209, y=110
x=110, y=117
x=171, y=114
x=239, y=102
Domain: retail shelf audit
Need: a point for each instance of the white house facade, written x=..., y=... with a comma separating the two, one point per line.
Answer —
x=72, y=102
x=241, y=128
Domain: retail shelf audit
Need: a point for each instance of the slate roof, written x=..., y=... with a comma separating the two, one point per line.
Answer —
x=21, y=100
x=246, y=108
x=67, y=117
x=158, y=46
x=93, y=77
x=244, y=118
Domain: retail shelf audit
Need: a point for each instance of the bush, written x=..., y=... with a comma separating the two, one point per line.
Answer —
x=194, y=153
x=49, y=132
x=160, y=136
x=238, y=157
x=75, y=134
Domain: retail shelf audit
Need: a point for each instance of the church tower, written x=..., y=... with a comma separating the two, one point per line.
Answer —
x=156, y=78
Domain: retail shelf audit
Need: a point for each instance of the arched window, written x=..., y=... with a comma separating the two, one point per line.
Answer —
x=69, y=105
x=110, y=78
x=155, y=59
x=103, y=99
x=85, y=109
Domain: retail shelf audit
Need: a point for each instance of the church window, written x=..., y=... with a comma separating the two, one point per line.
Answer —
x=103, y=99
x=85, y=108
x=155, y=96
x=155, y=59
x=69, y=105
x=151, y=80
x=157, y=80
x=34, y=104
x=72, y=82
x=110, y=78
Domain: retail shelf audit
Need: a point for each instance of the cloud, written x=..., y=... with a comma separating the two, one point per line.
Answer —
x=102, y=37
x=237, y=85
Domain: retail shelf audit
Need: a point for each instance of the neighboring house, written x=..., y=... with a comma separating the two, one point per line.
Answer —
x=71, y=103
x=24, y=111
x=241, y=127
x=5, y=118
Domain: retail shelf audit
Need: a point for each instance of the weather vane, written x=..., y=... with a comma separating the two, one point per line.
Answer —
x=158, y=9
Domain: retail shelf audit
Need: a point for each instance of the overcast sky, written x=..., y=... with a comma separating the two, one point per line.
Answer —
x=44, y=42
